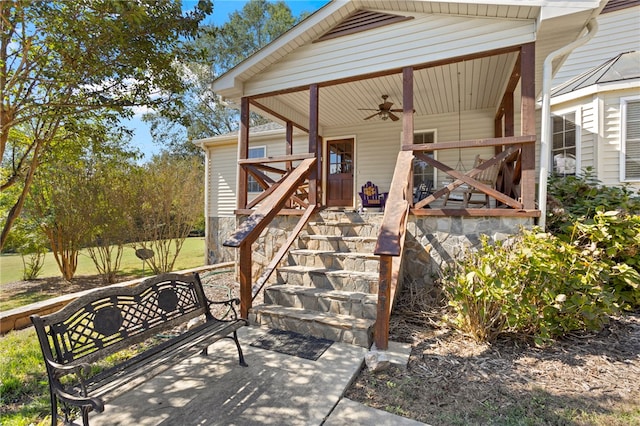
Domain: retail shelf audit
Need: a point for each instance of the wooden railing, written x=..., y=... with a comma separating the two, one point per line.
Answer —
x=279, y=194
x=509, y=158
x=269, y=177
x=390, y=244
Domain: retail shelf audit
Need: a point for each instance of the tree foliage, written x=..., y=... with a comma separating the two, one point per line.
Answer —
x=204, y=114
x=170, y=199
x=66, y=61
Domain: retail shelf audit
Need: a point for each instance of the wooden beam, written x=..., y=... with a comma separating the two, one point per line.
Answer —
x=278, y=115
x=528, y=124
x=381, y=335
x=250, y=229
x=278, y=159
x=316, y=173
x=392, y=71
x=407, y=106
x=244, y=269
x=243, y=153
x=476, y=212
x=472, y=143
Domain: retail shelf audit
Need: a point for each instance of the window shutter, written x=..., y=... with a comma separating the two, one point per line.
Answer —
x=632, y=142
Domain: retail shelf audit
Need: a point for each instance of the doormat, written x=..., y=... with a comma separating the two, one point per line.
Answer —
x=295, y=344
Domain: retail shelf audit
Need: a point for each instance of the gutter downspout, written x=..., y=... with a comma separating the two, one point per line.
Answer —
x=545, y=132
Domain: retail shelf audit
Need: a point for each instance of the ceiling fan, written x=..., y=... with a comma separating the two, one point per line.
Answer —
x=384, y=110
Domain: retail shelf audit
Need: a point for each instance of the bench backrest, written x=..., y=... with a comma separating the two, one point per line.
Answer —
x=107, y=320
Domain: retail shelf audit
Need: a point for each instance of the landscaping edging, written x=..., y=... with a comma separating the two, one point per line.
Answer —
x=18, y=318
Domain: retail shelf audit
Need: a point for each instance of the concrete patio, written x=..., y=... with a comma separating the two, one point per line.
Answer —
x=276, y=389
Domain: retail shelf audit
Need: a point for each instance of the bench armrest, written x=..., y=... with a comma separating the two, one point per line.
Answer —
x=80, y=371
x=231, y=303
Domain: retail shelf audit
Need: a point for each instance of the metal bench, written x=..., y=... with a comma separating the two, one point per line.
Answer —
x=108, y=320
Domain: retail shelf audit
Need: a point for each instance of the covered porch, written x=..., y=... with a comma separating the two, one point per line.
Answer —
x=414, y=97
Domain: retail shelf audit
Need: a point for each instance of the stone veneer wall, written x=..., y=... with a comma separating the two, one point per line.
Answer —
x=218, y=229
x=430, y=244
x=433, y=242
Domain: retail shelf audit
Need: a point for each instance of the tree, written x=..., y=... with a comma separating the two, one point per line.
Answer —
x=71, y=190
x=61, y=60
x=203, y=114
x=170, y=199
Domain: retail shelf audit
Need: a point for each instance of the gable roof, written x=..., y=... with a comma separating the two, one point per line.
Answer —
x=445, y=42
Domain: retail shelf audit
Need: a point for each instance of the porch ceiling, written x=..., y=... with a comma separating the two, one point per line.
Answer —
x=467, y=85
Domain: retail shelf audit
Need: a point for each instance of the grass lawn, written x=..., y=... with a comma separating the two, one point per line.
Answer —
x=191, y=256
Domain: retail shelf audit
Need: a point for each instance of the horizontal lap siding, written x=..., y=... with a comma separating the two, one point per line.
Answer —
x=618, y=32
x=223, y=170
x=421, y=40
x=589, y=136
x=378, y=143
x=222, y=180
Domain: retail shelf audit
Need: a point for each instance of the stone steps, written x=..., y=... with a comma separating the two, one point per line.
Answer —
x=358, y=305
x=328, y=286
x=336, y=327
x=331, y=259
x=334, y=279
x=337, y=243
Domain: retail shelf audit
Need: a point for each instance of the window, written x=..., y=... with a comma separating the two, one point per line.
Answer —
x=563, y=150
x=630, y=161
x=256, y=152
x=423, y=172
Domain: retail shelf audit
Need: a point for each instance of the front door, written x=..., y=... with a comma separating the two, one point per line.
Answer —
x=340, y=173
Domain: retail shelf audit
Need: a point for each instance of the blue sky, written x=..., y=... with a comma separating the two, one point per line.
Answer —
x=221, y=11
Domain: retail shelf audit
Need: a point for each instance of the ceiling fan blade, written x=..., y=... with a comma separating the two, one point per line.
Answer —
x=393, y=117
x=386, y=106
x=371, y=116
x=368, y=109
x=396, y=110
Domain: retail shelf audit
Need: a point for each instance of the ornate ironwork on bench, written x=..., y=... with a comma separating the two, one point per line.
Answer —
x=105, y=321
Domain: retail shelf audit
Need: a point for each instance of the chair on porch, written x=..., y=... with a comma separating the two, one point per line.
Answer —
x=423, y=190
x=371, y=196
x=488, y=176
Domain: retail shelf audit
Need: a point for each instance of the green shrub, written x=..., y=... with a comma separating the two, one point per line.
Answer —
x=615, y=238
x=572, y=198
x=534, y=285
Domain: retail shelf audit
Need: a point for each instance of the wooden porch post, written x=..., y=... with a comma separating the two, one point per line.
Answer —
x=314, y=146
x=381, y=337
x=407, y=117
x=243, y=153
x=245, y=279
x=289, y=151
x=528, y=124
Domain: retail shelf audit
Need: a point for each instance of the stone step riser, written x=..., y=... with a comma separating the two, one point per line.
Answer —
x=310, y=326
x=349, y=245
x=356, y=305
x=342, y=261
x=344, y=282
x=345, y=230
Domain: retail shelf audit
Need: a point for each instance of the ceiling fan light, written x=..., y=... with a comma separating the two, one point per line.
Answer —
x=384, y=115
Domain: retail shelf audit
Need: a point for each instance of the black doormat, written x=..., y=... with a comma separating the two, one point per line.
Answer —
x=290, y=343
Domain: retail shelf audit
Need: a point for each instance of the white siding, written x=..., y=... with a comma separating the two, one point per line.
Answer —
x=588, y=136
x=378, y=144
x=423, y=39
x=222, y=180
x=223, y=170
x=618, y=32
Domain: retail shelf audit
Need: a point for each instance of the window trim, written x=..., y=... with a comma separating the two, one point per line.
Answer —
x=249, y=178
x=623, y=137
x=577, y=111
x=435, y=153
